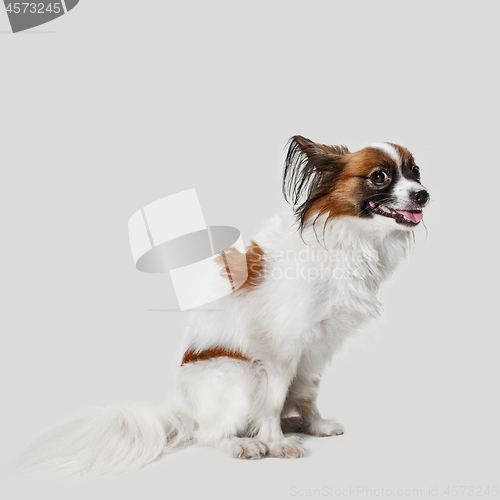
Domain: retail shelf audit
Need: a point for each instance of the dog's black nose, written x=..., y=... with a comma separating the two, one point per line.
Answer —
x=421, y=197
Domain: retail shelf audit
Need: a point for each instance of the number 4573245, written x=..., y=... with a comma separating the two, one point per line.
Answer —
x=33, y=8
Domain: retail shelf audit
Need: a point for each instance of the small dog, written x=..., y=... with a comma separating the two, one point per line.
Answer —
x=251, y=367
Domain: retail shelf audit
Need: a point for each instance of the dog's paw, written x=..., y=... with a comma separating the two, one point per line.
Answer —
x=325, y=427
x=288, y=447
x=249, y=448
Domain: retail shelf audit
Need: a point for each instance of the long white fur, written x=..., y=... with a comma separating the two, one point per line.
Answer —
x=115, y=439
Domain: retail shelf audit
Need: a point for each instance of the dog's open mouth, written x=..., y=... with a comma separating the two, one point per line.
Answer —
x=405, y=217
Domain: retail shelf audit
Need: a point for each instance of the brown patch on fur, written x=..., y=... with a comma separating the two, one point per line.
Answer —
x=344, y=193
x=364, y=162
x=236, y=265
x=192, y=356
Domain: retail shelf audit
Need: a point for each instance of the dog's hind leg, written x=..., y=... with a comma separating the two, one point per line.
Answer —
x=219, y=393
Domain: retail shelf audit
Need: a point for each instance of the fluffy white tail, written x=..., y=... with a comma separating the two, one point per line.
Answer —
x=110, y=439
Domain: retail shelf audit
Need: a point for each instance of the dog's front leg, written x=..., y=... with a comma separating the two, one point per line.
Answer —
x=268, y=423
x=302, y=400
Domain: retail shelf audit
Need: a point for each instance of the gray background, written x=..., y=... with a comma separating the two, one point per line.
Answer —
x=116, y=105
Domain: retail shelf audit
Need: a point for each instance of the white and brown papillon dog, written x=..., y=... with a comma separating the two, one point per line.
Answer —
x=251, y=367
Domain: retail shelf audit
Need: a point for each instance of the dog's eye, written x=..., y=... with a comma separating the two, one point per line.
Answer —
x=380, y=178
x=416, y=172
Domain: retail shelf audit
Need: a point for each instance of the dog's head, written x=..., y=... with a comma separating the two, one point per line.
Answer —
x=380, y=182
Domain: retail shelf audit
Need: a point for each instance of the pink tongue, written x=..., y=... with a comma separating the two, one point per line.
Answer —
x=415, y=217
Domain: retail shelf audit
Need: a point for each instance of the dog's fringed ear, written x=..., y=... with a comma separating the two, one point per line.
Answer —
x=308, y=165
